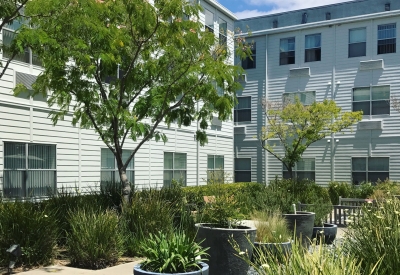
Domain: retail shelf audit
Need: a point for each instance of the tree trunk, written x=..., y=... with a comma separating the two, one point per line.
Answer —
x=126, y=187
x=290, y=170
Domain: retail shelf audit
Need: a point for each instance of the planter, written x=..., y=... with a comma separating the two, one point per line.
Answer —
x=327, y=233
x=302, y=224
x=203, y=271
x=277, y=250
x=223, y=259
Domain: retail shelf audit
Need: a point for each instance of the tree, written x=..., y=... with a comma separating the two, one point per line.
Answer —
x=124, y=67
x=10, y=10
x=296, y=126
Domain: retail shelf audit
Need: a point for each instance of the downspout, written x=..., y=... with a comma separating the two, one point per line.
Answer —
x=333, y=89
x=265, y=109
x=197, y=150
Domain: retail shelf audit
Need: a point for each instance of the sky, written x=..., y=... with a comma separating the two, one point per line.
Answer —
x=252, y=8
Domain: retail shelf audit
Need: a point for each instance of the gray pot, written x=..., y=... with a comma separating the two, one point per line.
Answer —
x=328, y=233
x=203, y=271
x=302, y=223
x=223, y=259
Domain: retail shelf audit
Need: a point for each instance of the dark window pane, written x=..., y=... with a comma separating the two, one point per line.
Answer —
x=41, y=183
x=305, y=175
x=287, y=58
x=242, y=176
x=313, y=55
x=357, y=49
x=387, y=46
x=14, y=156
x=375, y=176
x=362, y=106
x=242, y=115
x=359, y=177
x=14, y=183
x=378, y=164
x=381, y=107
x=249, y=63
x=286, y=175
x=180, y=176
x=359, y=164
x=242, y=164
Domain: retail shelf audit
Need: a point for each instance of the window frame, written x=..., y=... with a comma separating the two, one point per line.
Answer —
x=367, y=171
x=370, y=100
x=384, y=46
x=130, y=171
x=296, y=170
x=250, y=61
x=243, y=170
x=289, y=56
x=210, y=28
x=28, y=189
x=173, y=170
x=237, y=111
x=215, y=173
x=316, y=50
x=352, y=44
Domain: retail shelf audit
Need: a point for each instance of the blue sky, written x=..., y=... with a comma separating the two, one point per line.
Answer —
x=251, y=8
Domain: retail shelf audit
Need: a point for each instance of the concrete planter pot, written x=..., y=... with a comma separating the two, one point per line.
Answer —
x=327, y=233
x=302, y=224
x=203, y=271
x=223, y=259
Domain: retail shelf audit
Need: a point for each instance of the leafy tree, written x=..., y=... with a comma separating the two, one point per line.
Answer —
x=10, y=10
x=123, y=67
x=296, y=126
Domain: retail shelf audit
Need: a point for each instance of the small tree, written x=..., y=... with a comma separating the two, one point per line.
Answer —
x=124, y=67
x=10, y=10
x=296, y=126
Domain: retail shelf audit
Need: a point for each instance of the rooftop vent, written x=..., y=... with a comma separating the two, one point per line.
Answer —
x=387, y=7
x=275, y=24
x=328, y=16
x=304, y=18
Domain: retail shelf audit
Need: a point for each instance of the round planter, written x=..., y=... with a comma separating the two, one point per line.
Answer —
x=222, y=257
x=277, y=250
x=203, y=271
x=302, y=223
x=327, y=232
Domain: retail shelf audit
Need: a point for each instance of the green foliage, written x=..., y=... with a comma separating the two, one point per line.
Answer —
x=33, y=227
x=297, y=126
x=346, y=190
x=176, y=253
x=385, y=189
x=95, y=240
x=271, y=227
x=375, y=237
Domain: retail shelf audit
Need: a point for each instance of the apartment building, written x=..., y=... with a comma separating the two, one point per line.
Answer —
x=347, y=52
x=36, y=156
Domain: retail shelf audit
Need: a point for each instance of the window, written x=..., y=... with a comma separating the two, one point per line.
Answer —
x=287, y=51
x=242, y=111
x=304, y=169
x=357, y=42
x=109, y=169
x=174, y=168
x=242, y=169
x=373, y=100
x=9, y=32
x=209, y=21
x=306, y=98
x=387, y=38
x=215, y=168
x=223, y=26
x=250, y=61
x=29, y=169
x=313, y=48
x=369, y=169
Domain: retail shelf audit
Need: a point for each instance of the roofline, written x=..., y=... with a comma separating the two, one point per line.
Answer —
x=223, y=9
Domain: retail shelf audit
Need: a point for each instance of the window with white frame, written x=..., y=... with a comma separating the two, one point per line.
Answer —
x=209, y=21
x=30, y=169
x=9, y=32
x=312, y=48
x=369, y=169
x=357, y=42
x=215, y=168
x=223, y=26
x=306, y=98
x=242, y=169
x=287, y=51
x=304, y=169
x=174, y=168
x=109, y=169
x=374, y=100
x=242, y=111
x=387, y=38
x=250, y=61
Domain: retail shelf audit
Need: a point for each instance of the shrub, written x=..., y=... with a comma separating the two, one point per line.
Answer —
x=345, y=190
x=271, y=227
x=176, y=253
x=95, y=240
x=33, y=227
x=375, y=237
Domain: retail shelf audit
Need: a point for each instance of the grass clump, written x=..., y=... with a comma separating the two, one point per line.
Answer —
x=95, y=240
x=271, y=227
